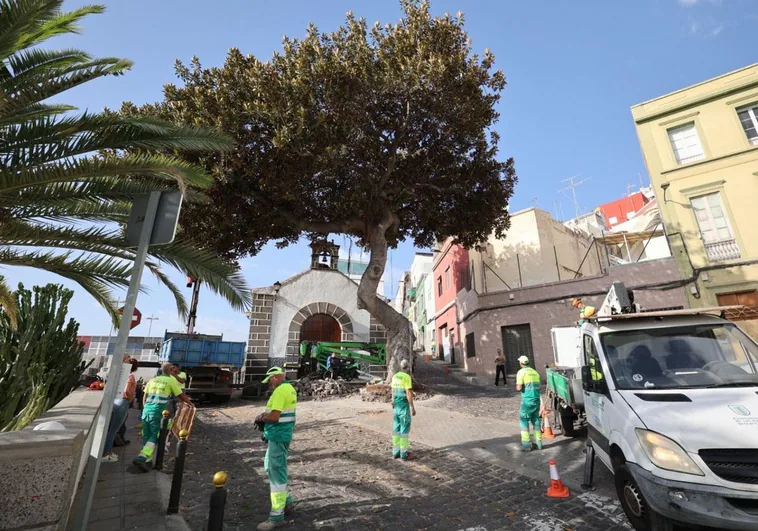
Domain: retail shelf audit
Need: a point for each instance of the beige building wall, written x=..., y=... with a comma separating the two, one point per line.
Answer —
x=720, y=173
x=536, y=250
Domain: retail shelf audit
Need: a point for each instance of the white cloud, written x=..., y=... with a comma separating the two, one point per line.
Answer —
x=692, y=3
x=715, y=32
x=694, y=26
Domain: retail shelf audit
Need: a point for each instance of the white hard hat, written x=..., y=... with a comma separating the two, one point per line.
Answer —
x=523, y=360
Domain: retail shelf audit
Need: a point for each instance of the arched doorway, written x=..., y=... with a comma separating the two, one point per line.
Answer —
x=321, y=327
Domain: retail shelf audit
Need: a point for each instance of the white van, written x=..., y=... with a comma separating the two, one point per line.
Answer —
x=671, y=400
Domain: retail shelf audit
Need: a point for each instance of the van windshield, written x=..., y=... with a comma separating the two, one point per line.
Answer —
x=701, y=356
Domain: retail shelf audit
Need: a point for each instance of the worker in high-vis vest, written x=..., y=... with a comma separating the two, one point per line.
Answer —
x=402, y=401
x=528, y=384
x=585, y=312
x=158, y=393
x=279, y=420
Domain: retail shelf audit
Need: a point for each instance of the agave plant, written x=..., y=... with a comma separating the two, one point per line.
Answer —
x=67, y=179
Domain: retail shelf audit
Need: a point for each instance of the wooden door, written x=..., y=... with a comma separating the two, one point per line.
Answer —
x=321, y=327
x=744, y=298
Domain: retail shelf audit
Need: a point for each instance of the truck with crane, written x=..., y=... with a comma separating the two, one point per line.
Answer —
x=213, y=366
x=670, y=403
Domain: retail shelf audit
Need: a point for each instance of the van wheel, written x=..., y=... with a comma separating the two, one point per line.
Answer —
x=637, y=510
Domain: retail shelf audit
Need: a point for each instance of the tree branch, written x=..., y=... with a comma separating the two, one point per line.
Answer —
x=432, y=187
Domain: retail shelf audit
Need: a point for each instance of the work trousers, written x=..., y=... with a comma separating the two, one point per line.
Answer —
x=275, y=465
x=500, y=369
x=118, y=418
x=529, y=413
x=401, y=428
x=151, y=428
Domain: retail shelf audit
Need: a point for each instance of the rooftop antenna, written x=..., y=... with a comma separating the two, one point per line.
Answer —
x=642, y=184
x=558, y=210
x=349, y=256
x=570, y=191
x=629, y=188
x=535, y=202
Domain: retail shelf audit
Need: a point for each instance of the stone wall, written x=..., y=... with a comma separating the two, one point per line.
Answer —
x=258, y=342
x=549, y=305
x=41, y=469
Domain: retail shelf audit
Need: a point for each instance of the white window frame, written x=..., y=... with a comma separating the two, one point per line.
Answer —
x=752, y=111
x=685, y=156
x=732, y=235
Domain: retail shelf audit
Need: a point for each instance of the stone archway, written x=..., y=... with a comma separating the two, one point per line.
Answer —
x=312, y=309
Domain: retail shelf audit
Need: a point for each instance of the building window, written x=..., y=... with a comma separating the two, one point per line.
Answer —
x=715, y=230
x=439, y=286
x=473, y=277
x=470, y=346
x=686, y=144
x=749, y=120
x=447, y=277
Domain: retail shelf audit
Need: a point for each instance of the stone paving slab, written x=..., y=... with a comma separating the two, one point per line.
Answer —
x=129, y=499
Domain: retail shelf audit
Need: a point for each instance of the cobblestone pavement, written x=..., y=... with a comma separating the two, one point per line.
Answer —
x=454, y=394
x=343, y=477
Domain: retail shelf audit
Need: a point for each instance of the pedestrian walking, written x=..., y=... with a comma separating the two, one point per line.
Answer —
x=158, y=393
x=500, y=368
x=130, y=393
x=402, y=401
x=528, y=384
x=279, y=425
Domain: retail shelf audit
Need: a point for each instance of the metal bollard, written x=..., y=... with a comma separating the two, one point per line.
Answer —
x=176, y=481
x=218, y=503
x=161, y=448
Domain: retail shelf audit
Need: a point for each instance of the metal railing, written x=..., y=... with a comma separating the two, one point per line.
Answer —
x=722, y=251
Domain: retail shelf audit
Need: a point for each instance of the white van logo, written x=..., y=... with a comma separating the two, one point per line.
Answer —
x=740, y=410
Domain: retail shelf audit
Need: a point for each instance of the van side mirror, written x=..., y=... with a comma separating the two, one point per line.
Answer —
x=587, y=383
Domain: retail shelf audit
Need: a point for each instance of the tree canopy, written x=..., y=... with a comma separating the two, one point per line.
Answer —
x=343, y=128
x=384, y=133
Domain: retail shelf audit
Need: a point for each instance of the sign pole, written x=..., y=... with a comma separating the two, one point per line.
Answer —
x=114, y=374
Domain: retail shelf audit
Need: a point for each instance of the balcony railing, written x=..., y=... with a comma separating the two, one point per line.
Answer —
x=722, y=251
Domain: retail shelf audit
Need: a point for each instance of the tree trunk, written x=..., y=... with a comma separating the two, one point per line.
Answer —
x=399, y=335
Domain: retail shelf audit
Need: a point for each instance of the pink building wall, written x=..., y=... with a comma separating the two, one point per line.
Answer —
x=450, y=274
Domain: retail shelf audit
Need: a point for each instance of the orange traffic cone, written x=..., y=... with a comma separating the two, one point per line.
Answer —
x=547, y=431
x=426, y=358
x=557, y=489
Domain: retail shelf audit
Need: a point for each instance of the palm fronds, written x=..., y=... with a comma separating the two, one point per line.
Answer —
x=67, y=181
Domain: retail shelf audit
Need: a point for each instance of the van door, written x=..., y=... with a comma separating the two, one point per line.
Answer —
x=597, y=400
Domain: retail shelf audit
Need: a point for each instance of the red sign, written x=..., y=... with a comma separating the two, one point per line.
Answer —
x=136, y=317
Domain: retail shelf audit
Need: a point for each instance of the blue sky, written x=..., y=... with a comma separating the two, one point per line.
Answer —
x=573, y=68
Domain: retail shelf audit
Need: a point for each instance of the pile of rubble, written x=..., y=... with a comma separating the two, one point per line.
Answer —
x=383, y=392
x=323, y=389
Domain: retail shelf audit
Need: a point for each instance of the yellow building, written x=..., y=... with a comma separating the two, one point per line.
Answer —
x=700, y=146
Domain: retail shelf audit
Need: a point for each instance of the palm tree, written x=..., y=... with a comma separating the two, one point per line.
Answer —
x=67, y=180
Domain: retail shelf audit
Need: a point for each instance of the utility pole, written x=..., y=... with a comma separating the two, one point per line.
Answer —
x=150, y=328
x=571, y=188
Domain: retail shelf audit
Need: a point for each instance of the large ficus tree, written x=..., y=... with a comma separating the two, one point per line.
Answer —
x=382, y=133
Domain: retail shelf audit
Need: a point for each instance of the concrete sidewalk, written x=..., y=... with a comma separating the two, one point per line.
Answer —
x=127, y=498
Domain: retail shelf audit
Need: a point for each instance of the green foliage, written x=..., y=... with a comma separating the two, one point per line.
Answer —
x=40, y=358
x=343, y=130
x=67, y=180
